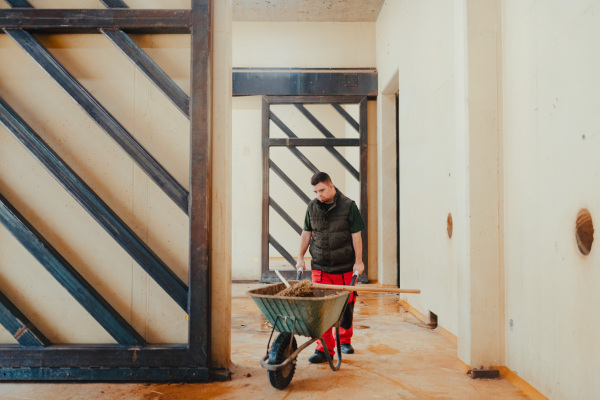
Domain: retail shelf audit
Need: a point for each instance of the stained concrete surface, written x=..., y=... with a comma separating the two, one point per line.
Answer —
x=397, y=357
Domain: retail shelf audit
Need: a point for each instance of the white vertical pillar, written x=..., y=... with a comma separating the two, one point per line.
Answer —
x=481, y=324
x=387, y=243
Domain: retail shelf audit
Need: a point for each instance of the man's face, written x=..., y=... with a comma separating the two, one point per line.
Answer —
x=325, y=192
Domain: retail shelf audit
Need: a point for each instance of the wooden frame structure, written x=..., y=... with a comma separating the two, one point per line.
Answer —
x=132, y=359
x=292, y=142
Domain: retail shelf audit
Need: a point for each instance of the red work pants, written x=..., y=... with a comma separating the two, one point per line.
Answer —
x=346, y=324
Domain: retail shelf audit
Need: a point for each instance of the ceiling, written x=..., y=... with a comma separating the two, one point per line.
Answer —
x=307, y=10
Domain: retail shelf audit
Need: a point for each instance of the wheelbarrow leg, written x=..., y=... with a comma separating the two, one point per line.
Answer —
x=339, y=349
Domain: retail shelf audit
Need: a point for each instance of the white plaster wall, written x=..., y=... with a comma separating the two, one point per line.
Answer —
x=416, y=42
x=303, y=44
x=161, y=129
x=551, y=60
x=289, y=44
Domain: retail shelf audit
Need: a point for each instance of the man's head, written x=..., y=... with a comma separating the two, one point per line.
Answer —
x=323, y=187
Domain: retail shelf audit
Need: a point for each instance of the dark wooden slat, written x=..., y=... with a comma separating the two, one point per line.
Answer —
x=90, y=355
x=200, y=181
x=289, y=182
x=313, y=99
x=102, y=117
x=336, y=154
x=114, y=3
x=86, y=197
x=285, y=216
x=364, y=187
x=347, y=116
x=18, y=3
x=313, y=142
x=14, y=321
x=269, y=82
x=90, y=20
x=137, y=56
x=282, y=251
x=146, y=64
x=271, y=276
x=291, y=134
x=68, y=276
x=266, y=129
x=143, y=374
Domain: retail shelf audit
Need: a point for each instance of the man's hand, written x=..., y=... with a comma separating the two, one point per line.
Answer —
x=359, y=267
x=304, y=242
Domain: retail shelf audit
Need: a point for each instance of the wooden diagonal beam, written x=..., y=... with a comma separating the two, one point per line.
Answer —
x=347, y=116
x=156, y=75
x=282, y=251
x=68, y=276
x=92, y=203
x=102, y=117
x=286, y=217
x=289, y=182
x=336, y=154
x=89, y=21
x=19, y=326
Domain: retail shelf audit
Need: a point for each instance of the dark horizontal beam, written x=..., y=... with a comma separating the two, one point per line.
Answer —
x=68, y=276
x=289, y=182
x=271, y=276
x=92, y=203
x=143, y=374
x=286, y=217
x=304, y=83
x=90, y=355
x=14, y=321
x=102, y=117
x=313, y=99
x=313, y=142
x=336, y=154
x=90, y=20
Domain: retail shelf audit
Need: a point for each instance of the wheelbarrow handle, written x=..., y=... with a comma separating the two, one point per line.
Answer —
x=299, y=275
x=354, y=278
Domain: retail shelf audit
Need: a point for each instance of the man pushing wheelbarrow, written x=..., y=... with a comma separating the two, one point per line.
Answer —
x=332, y=233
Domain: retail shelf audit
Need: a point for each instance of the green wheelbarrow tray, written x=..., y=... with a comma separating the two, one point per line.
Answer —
x=306, y=316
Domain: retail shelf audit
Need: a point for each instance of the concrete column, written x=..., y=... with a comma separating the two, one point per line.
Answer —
x=386, y=184
x=481, y=328
x=220, y=252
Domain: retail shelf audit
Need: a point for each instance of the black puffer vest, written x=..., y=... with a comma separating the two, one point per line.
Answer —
x=331, y=242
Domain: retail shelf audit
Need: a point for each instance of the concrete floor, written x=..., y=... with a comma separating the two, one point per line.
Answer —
x=397, y=357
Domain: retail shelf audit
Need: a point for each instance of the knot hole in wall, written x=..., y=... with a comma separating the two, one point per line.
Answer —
x=584, y=231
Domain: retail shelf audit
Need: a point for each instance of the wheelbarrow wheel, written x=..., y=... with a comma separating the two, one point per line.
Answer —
x=280, y=351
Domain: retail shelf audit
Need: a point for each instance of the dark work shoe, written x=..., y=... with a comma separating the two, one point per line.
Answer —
x=347, y=348
x=317, y=358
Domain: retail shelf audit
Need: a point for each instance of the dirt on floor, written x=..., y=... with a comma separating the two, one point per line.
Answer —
x=396, y=357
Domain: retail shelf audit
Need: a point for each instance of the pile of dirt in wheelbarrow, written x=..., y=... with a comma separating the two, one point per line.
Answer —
x=301, y=289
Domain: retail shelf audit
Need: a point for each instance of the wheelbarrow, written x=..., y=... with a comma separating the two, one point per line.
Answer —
x=305, y=316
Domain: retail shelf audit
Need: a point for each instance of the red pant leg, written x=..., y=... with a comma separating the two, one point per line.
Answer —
x=346, y=331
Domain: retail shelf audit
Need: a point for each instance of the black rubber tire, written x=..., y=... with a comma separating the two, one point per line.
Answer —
x=280, y=351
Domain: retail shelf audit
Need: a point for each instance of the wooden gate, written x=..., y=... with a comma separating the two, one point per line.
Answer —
x=132, y=358
x=298, y=132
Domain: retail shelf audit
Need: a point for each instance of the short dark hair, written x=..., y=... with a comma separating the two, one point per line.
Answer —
x=320, y=177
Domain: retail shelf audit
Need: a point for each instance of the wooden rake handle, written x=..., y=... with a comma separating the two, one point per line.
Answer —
x=363, y=288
